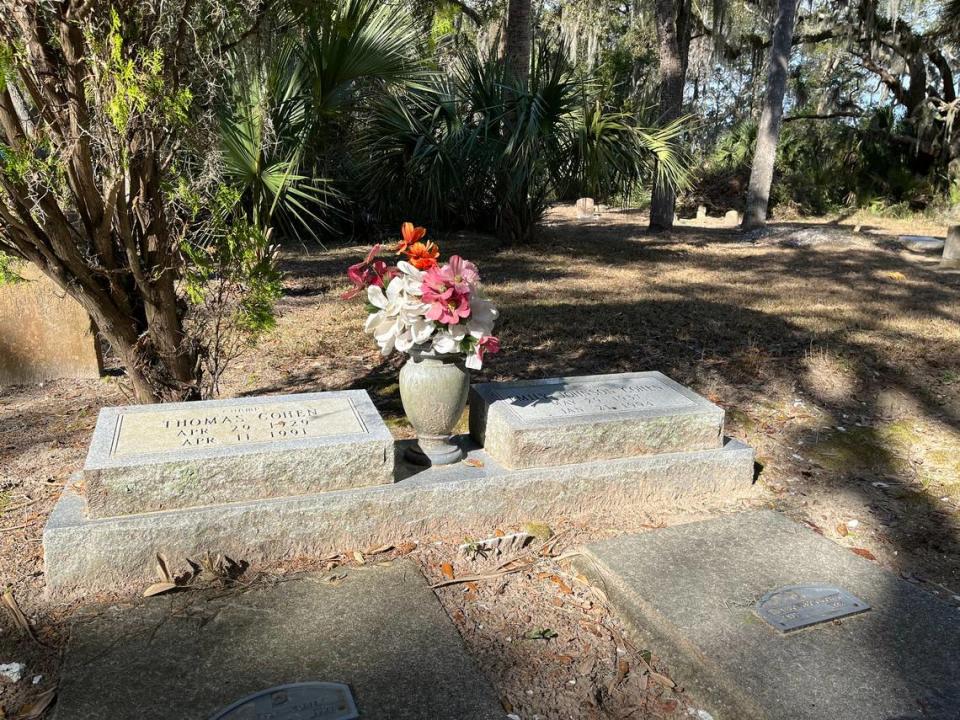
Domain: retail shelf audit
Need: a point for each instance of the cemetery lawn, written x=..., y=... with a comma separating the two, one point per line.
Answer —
x=836, y=355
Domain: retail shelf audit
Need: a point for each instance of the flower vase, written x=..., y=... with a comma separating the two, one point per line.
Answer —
x=433, y=390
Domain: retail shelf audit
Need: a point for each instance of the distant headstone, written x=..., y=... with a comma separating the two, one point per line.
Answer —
x=701, y=212
x=596, y=417
x=297, y=701
x=921, y=243
x=44, y=333
x=732, y=217
x=691, y=592
x=158, y=457
x=585, y=208
x=951, y=248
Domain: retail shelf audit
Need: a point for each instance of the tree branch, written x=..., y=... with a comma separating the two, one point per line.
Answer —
x=468, y=11
x=824, y=116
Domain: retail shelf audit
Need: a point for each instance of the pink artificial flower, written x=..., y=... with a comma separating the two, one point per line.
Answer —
x=367, y=273
x=487, y=345
x=437, y=285
x=462, y=273
x=451, y=310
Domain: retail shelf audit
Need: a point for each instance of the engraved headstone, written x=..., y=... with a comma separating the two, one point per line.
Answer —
x=732, y=217
x=701, y=212
x=297, y=701
x=559, y=421
x=799, y=606
x=585, y=208
x=159, y=457
x=44, y=333
x=951, y=248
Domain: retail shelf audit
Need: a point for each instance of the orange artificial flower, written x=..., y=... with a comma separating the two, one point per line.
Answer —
x=411, y=235
x=423, y=256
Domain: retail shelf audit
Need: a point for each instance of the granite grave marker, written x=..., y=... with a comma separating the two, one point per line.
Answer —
x=158, y=457
x=559, y=421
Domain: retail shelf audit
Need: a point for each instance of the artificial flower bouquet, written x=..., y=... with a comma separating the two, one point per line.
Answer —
x=422, y=303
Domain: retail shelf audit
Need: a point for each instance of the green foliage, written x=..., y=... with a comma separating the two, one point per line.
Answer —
x=283, y=118
x=234, y=266
x=823, y=166
x=137, y=82
x=472, y=148
x=8, y=270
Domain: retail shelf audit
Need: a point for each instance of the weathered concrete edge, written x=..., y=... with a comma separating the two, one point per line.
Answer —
x=98, y=456
x=86, y=555
x=707, y=683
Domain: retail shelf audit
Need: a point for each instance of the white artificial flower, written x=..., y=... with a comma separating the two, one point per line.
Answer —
x=400, y=322
x=483, y=316
x=448, y=340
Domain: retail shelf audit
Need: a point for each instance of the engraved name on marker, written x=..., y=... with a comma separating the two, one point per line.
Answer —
x=137, y=433
x=540, y=402
x=799, y=606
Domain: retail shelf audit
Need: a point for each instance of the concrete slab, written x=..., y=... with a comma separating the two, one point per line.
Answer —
x=160, y=457
x=557, y=421
x=689, y=593
x=83, y=553
x=380, y=630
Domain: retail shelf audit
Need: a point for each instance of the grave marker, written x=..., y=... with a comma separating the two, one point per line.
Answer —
x=296, y=701
x=799, y=606
x=158, y=457
x=598, y=417
x=44, y=333
x=691, y=593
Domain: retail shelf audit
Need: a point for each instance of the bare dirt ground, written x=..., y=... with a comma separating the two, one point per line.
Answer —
x=835, y=353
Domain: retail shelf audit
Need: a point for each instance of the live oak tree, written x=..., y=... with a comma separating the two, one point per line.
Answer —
x=673, y=37
x=99, y=100
x=768, y=132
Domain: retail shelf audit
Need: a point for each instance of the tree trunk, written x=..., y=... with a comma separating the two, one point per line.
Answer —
x=768, y=132
x=673, y=37
x=518, y=40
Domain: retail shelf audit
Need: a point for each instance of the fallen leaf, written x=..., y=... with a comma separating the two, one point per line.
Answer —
x=864, y=553
x=447, y=570
x=623, y=668
x=163, y=571
x=39, y=706
x=473, y=462
x=842, y=530
x=406, y=548
x=358, y=556
x=19, y=619
x=159, y=588
x=380, y=550
x=663, y=680
x=541, y=531
x=561, y=585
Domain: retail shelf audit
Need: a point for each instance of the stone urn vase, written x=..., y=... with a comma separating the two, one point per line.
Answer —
x=433, y=390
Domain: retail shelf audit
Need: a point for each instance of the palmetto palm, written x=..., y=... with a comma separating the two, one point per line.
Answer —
x=277, y=113
x=474, y=141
